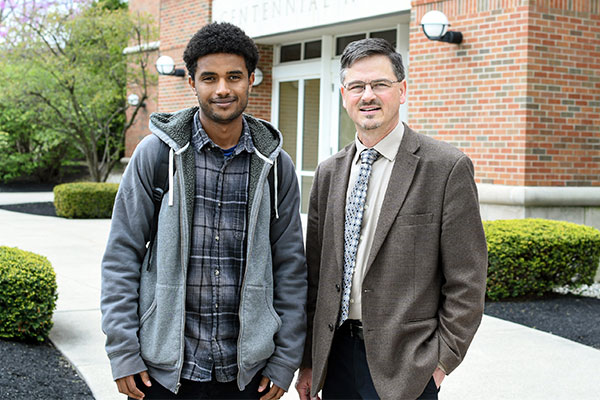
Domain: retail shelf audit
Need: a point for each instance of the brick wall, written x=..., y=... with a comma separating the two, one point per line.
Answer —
x=519, y=95
x=140, y=127
x=259, y=103
x=563, y=117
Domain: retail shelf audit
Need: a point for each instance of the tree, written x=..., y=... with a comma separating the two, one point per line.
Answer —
x=77, y=73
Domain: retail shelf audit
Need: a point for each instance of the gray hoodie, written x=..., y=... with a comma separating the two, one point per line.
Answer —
x=143, y=306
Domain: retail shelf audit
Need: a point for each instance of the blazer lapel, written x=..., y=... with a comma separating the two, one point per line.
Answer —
x=400, y=181
x=337, y=199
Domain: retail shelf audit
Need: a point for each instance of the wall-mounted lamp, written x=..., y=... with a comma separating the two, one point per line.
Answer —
x=166, y=66
x=258, y=77
x=133, y=100
x=435, y=27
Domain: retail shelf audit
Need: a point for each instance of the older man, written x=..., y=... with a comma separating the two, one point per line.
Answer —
x=397, y=276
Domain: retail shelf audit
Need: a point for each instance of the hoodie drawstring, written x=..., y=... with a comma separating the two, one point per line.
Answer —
x=274, y=164
x=172, y=153
x=276, y=186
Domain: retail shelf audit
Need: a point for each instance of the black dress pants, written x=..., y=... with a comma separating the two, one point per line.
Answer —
x=348, y=376
x=201, y=390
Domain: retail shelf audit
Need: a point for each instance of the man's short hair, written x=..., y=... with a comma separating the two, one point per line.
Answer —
x=371, y=47
x=220, y=38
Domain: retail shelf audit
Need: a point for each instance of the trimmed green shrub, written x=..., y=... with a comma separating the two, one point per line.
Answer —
x=85, y=199
x=531, y=256
x=27, y=295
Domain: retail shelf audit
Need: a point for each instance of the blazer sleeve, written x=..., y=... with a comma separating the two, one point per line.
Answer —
x=463, y=252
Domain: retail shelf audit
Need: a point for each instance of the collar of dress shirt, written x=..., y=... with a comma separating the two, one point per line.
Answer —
x=387, y=147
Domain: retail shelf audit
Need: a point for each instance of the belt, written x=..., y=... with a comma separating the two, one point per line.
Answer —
x=353, y=327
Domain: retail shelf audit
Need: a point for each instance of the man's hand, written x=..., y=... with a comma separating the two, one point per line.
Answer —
x=304, y=384
x=438, y=377
x=127, y=385
x=274, y=393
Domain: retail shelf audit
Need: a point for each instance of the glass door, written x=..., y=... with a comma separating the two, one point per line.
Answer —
x=298, y=121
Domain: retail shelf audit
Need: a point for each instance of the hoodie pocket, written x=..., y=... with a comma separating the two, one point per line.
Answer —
x=161, y=327
x=260, y=324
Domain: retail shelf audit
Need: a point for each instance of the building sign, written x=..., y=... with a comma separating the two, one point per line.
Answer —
x=269, y=17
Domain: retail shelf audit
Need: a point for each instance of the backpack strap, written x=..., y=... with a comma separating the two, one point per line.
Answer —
x=160, y=184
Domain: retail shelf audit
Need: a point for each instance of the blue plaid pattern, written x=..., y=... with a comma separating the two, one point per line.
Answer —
x=354, y=215
x=217, y=259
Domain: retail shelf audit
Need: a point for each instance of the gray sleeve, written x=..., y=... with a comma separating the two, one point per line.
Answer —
x=123, y=258
x=289, y=279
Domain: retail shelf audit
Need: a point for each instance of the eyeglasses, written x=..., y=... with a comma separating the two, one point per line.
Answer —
x=357, y=88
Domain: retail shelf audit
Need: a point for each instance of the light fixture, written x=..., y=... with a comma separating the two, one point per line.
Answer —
x=166, y=66
x=435, y=27
x=133, y=99
x=258, y=77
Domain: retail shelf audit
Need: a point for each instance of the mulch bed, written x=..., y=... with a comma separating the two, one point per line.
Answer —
x=42, y=208
x=32, y=371
x=573, y=317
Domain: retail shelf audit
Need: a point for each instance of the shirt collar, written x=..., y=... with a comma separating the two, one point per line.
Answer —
x=387, y=147
x=200, y=138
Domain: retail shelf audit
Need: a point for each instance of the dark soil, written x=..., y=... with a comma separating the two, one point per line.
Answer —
x=43, y=208
x=26, y=187
x=38, y=371
x=573, y=317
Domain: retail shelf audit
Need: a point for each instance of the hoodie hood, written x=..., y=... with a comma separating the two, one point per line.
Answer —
x=175, y=129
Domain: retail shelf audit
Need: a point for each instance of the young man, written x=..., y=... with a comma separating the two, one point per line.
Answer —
x=215, y=307
x=397, y=277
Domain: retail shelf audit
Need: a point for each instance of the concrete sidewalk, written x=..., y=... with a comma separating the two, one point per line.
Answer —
x=505, y=361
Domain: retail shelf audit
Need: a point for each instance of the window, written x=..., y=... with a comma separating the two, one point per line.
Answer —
x=312, y=49
x=300, y=51
x=290, y=52
x=389, y=35
x=343, y=41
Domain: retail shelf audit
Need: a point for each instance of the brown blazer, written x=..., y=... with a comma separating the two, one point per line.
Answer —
x=423, y=294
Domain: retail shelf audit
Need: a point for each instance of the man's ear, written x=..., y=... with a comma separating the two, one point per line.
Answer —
x=343, y=92
x=251, y=81
x=192, y=83
x=403, y=86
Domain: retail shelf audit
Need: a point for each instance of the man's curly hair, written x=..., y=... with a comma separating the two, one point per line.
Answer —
x=220, y=37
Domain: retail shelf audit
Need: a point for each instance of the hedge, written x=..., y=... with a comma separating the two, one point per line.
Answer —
x=85, y=199
x=531, y=256
x=27, y=295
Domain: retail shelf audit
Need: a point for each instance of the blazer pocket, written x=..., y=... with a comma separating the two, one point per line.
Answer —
x=414, y=219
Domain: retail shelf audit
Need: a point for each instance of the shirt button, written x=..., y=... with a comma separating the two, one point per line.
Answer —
x=219, y=205
x=362, y=237
x=217, y=238
x=216, y=306
x=337, y=287
x=366, y=206
x=331, y=327
x=217, y=272
x=352, y=301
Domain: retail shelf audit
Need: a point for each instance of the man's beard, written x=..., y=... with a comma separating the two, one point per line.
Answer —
x=208, y=112
x=369, y=125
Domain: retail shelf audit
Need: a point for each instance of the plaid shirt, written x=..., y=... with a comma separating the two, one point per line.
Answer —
x=218, y=258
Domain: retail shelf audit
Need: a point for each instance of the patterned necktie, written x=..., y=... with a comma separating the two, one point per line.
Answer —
x=354, y=216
